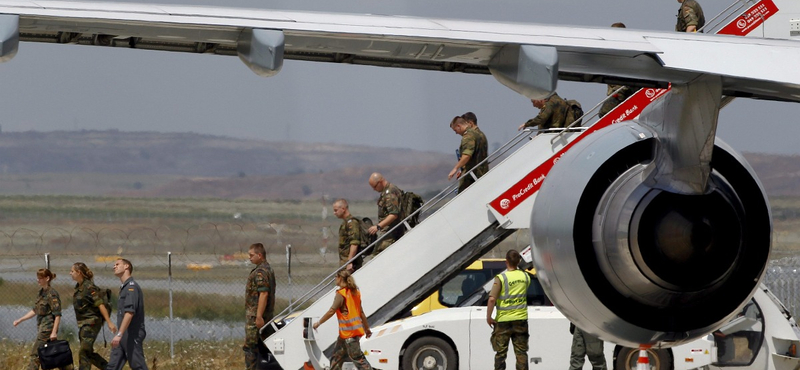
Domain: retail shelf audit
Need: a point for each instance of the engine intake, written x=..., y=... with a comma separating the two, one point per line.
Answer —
x=636, y=264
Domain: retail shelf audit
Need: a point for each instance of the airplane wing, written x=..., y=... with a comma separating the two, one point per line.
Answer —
x=750, y=67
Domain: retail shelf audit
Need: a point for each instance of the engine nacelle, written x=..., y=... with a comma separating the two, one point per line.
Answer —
x=635, y=264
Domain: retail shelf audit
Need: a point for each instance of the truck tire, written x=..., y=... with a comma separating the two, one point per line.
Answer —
x=429, y=353
x=627, y=358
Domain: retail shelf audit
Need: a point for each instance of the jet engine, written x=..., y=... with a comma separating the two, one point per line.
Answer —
x=636, y=264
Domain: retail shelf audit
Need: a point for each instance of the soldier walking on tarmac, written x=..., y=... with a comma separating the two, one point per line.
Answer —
x=259, y=303
x=509, y=296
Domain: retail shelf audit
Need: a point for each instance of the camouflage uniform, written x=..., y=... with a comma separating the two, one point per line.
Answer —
x=585, y=344
x=389, y=204
x=349, y=234
x=554, y=114
x=261, y=279
x=616, y=99
x=473, y=144
x=690, y=14
x=87, y=301
x=349, y=349
x=517, y=333
x=47, y=307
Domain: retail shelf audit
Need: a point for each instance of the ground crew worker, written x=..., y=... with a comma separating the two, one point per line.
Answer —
x=473, y=150
x=127, y=343
x=352, y=323
x=617, y=93
x=552, y=113
x=349, y=236
x=259, y=303
x=47, y=310
x=388, y=211
x=690, y=17
x=509, y=295
x=90, y=313
x=586, y=345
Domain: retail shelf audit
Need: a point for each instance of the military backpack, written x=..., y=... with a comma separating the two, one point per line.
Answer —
x=366, y=239
x=409, y=203
x=574, y=113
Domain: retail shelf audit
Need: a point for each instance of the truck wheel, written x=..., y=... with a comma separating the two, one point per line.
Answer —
x=429, y=353
x=627, y=358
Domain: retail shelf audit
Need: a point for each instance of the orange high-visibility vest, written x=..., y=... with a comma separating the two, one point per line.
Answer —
x=350, y=325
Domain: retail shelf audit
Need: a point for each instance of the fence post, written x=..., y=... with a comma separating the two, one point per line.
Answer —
x=289, y=269
x=169, y=285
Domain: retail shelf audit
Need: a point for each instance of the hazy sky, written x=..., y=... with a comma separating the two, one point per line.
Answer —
x=67, y=87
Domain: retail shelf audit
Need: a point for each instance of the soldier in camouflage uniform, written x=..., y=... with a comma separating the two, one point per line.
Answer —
x=349, y=235
x=586, y=345
x=90, y=313
x=508, y=296
x=616, y=97
x=690, y=16
x=552, y=114
x=47, y=311
x=388, y=211
x=473, y=150
x=259, y=303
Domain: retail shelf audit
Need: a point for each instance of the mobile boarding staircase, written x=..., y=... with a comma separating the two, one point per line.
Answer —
x=460, y=231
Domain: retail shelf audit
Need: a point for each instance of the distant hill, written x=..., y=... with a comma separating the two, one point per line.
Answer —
x=150, y=164
x=185, y=154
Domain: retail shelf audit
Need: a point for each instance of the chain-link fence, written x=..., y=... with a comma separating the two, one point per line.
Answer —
x=193, y=278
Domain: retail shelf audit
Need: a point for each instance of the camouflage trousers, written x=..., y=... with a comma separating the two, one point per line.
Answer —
x=86, y=355
x=464, y=182
x=42, y=337
x=583, y=345
x=251, y=342
x=348, y=349
x=517, y=333
x=385, y=243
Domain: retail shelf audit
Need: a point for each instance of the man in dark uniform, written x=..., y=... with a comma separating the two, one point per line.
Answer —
x=388, y=211
x=259, y=303
x=473, y=150
x=690, y=17
x=127, y=343
x=552, y=114
x=349, y=235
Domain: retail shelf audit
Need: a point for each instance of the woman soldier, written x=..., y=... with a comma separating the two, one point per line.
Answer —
x=90, y=312
x=352, y=323
x=48, y=316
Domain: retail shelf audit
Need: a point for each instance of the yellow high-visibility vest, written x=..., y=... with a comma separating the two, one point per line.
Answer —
x=512, y=304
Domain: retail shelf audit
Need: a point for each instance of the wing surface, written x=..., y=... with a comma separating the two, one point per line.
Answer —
x=751, y=67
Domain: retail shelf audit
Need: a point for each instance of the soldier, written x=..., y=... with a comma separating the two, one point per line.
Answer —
x=388, y=211
x=509, y=293
x=47, y=310
x=259, y=302
x=473, y=150
x=127, y=343
x=690, y=17
x=90, y=313
x=583, y=345
x=349, y=236
x=617, y=97
x=352, y=323
x=552, y=114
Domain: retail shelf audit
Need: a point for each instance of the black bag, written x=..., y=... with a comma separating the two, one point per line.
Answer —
x=55, y=354
x=366, y=238
x=574, y=113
